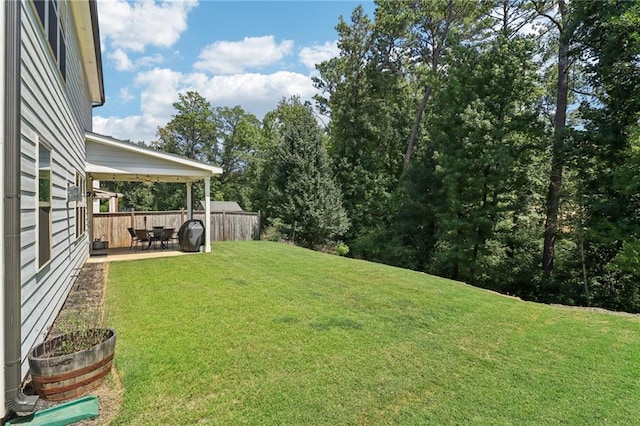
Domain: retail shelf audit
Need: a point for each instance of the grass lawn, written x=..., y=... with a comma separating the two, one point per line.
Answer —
x=266, y=333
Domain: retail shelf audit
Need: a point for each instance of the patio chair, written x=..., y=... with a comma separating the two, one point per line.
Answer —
x=143, y=237
x=167, y=237
x=156, y=236
x=134, y=237
x=175, y=239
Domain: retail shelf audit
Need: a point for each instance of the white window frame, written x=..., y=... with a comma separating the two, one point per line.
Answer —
x=39, y=204
x=52, y=28
x=81, y=205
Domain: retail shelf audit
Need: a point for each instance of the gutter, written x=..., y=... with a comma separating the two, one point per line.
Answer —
x=16, y=400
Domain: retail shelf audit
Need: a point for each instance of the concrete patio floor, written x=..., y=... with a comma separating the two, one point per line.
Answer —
x=123, y=254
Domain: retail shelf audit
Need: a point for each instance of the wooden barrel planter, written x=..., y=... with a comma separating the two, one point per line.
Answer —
x=70, y=365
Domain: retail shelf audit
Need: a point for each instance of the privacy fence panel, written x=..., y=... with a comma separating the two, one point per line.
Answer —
x=233, y=226
x=225, y=226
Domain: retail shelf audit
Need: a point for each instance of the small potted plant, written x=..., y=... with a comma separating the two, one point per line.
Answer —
x=73, y=363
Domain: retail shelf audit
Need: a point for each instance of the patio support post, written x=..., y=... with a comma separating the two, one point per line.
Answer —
x=90, y=211
x=189, y=202
x=207, y=214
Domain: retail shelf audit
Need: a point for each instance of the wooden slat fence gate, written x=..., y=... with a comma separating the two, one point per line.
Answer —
x=225, y=226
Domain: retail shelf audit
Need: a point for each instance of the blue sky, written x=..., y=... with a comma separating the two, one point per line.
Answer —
x=247, y=53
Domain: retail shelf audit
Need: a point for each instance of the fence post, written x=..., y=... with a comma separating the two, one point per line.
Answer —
x=257, y=234
x=224, y=227
x=109, y=228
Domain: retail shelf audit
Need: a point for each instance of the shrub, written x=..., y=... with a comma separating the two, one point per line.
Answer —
x=341, y=249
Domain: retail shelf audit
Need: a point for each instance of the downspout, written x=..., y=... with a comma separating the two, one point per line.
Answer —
x=16, y=401
x=89, y=199
x=3, y=406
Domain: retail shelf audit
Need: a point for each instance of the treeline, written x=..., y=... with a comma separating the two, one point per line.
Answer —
x=495, y=142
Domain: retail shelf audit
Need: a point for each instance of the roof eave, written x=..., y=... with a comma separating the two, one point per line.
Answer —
x=108, y=140
x=192, y=170
x=85, y=18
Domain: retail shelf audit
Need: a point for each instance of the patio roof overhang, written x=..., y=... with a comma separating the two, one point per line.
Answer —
x=110, y=159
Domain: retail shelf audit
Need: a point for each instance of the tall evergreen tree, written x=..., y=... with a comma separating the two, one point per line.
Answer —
x=369, y=103
x=423, y=32
x=563, y=23
x=483, y=151
x=304, y=195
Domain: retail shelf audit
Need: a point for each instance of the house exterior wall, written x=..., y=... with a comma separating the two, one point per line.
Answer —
x=54, y=113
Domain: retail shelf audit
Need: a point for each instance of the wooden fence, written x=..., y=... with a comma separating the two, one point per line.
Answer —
x=225, y=226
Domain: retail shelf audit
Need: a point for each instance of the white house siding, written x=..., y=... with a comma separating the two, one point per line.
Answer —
x=58, y=114
x=77, y=90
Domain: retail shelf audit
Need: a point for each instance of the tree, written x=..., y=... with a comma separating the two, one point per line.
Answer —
x=136, y=195
x=509, y=17
x=191, y=131
x=607, y=158
x=564, y=24
x=369, y=102
x=304, y=195
x=423, y=32
x=239, y=140
x=482, y=155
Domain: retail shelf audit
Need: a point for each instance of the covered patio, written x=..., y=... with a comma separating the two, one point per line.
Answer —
x=110, y=159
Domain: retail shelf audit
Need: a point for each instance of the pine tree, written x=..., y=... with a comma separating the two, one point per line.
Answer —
x=304, y=195
x=477, y=170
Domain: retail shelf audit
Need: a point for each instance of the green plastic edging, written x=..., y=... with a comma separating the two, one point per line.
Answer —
x=63, y=414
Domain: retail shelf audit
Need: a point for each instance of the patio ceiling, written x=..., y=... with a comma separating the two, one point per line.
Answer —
x=110, y=159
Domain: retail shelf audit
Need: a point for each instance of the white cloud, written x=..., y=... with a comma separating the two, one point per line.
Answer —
x=125, y=96
x=145, y=61
x=159, y=90
x=135, y=128
x=133, y=26
x=232, y=57
x=256, y=93
x=121, y=60
x=310, y=56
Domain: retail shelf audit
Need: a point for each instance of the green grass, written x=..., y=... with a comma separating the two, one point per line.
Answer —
x=265, y=333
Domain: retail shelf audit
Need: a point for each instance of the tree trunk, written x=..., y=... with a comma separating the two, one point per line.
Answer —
x=438, y=32
x=414, y=129
x=585, y=279
x=557, y=152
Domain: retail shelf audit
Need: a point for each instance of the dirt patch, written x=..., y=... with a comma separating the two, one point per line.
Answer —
x=85, y=305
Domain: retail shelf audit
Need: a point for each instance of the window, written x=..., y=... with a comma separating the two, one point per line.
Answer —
x=44, y=205
x=81, y=205
x=49, y=12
